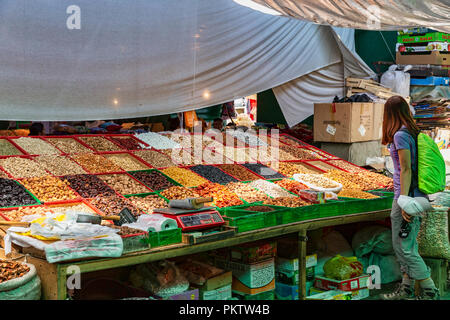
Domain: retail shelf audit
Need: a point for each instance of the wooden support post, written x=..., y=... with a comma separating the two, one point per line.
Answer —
x=302, y=238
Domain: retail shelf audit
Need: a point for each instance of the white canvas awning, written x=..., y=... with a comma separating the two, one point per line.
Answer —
x=141, y=58
x=369, y=15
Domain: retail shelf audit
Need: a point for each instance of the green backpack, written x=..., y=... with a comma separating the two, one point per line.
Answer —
x=429, y=176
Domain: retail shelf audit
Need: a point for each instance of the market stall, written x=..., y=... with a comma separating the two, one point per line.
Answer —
x=255, y=196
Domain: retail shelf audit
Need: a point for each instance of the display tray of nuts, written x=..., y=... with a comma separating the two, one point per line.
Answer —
x=36, y=146
x=238, y=172
x=124, y=184
x=59, y=165
x=10, y=270
x=287, y=202
x=95, y=163
x=148, y=203
x=222, y=197
x=49, y=189
x=68, y=145
x=155, y=158
x=8, y=149
x=246, y=192
x=88, y=186
x=17, y=214
x=318, y=182
x=126, y=162
x=347, y=166
x=79, y=207
x=128, y=143
x=113, y=205
x=262, y=170
x=290, y=168
x=20, y=167
x=179, y=193
x=213, y=174
x=13, y=194
x=100, y=143
x=184, y=176
x=355, y=193
x=153, y=179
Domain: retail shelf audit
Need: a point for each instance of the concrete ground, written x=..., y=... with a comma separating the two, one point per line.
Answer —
x=386, y=288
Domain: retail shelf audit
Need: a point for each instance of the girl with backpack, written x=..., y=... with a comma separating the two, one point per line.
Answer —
x=400, y=133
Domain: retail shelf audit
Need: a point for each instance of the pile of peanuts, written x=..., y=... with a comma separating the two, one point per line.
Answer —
x=301, y=153
x=347, y=166
x=290, y=168
x=3, y=175
x=290, y=141
x=318, y=180
x=7, y=149
x=100, y=143
x=36, y=146
x=49, y=188
x=68, y=145
x=287, y=202
x=239, y=172
x=270, y=189
x=113, y=205
x=353, y=181
x=126, y=162
x=246, y=193
x=22, y=167
x=355, y=193
x=184, y=177
x=19, y=213
x=179, y=193
x=322, y=165
x=291, y=185
x=63, y=209
x=377, y=178
x=95, y=163
x=222, y=197
x=148, y=203
x=155, y=158
x=59, y=165
x=124, y=184
x=344, y=178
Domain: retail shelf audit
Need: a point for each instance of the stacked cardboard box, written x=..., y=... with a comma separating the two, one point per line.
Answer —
x=253, y=269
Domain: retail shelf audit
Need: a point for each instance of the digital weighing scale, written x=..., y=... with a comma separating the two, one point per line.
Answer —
x=195, y=219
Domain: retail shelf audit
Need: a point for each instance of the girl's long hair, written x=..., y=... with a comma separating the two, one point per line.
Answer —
x=396, y=114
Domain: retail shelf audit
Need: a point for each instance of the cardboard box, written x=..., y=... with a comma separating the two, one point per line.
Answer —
x=344, y=285
x=253, y=252
x=287, y=270
x=250, y=278
x=285, y=292
x=219, y=281
x=187, y=295
x=355, y=294
x=267, y=295
x=331, y=295
x=223, y=293
x=347, y=122
x=432, y=57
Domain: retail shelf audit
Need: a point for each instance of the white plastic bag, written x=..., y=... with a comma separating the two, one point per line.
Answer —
x=398, y=81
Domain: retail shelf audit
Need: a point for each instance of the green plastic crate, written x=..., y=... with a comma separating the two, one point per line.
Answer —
x=302, y=213
x=332, y=208
x=133, y=243
x=163, y=238
x=268, y=295
x=252, y=221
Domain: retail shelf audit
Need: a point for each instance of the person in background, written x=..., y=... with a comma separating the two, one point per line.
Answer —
x=218, y=124
x=36, y=129
x=402, y=146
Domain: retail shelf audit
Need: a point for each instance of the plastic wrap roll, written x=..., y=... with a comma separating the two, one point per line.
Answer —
x=157, y=222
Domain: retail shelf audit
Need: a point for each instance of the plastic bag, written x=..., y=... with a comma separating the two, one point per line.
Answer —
x=162, y=278
x=398, y=81
x=110, y=246
x=342, y=268
x=372, y=239
x=433, y=235
x=388, y=264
